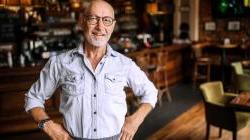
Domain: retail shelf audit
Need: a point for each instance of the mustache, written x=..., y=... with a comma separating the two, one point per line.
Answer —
x=99, y=32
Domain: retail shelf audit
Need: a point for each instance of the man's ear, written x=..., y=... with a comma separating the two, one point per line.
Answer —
x=81, y=20
x=114, y=23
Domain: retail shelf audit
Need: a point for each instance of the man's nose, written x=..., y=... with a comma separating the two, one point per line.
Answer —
x=99, y=24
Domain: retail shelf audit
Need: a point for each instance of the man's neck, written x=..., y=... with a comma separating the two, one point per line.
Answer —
x=94, y=54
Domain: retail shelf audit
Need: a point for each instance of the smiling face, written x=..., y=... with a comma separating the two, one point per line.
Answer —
x=98, y=34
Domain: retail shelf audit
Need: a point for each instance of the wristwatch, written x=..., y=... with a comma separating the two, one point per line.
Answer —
x=42, y=123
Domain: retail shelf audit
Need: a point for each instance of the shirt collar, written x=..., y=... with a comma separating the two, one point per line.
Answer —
x=80, y=50
x=110, y=51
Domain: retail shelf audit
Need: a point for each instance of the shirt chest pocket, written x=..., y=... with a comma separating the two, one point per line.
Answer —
x=114, y=84
x=73, y=84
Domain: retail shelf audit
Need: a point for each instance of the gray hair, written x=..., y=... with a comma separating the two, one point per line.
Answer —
x=87, y=4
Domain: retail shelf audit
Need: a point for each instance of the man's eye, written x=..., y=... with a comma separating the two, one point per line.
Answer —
x=92, y=18
x=107, y=19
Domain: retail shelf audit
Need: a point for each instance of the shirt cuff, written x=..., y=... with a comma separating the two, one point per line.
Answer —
x=32, y=103
x=151, y=98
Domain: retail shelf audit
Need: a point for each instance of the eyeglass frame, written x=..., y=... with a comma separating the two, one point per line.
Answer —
x=98, y=19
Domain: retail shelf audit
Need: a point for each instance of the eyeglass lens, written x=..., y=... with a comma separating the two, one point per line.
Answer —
x=107, y=21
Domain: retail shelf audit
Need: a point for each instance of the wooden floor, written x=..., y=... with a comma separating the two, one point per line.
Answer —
x=191, y=126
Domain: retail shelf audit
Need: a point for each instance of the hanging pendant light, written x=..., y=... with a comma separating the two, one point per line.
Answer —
x=2, y=3
x=25, y=2
x=75, y=4
x=152, y=7
x=18, y=2
x=12, y=2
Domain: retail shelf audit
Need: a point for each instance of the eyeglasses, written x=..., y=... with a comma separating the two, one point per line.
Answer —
x=93, y=20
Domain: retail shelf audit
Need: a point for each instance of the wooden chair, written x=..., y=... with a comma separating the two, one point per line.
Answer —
x=240, y=77
x=161, y=83
x=202, y=64
x=217, y=112
x=161, y=76
x=202, y=70
x=154, y=64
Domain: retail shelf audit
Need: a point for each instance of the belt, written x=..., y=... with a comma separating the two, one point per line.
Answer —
x=115, y=137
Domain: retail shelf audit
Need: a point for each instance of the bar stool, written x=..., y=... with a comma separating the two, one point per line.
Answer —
x=161, y=76
x=7, y=50
x=203, y=62
x=202, y=70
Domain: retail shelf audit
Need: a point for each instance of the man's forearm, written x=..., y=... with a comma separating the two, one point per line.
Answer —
x=142, y=112
x=38, y=114
x=54, y=130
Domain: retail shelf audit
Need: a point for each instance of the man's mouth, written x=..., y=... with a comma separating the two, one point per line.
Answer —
x=98, y=34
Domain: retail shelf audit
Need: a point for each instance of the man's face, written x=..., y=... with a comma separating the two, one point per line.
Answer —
x=98, y=33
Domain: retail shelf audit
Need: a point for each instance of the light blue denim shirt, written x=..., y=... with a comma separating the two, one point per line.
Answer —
x=93, y=103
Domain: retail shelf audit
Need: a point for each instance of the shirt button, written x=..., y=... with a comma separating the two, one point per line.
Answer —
x=95, y=112
x=94, y=130
x=94, y=95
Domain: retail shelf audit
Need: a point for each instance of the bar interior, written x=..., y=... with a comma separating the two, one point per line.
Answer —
x=196, y=52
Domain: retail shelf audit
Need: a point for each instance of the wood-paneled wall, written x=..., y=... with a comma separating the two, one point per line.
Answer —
x=14, y=83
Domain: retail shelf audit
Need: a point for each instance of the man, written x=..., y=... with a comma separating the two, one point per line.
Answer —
x=92, y=78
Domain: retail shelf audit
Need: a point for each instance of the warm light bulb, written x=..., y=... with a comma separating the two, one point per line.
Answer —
x=152, y=7
x=75, y=5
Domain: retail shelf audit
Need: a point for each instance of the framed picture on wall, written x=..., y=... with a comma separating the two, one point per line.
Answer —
x=210, y=26
x=233, y=26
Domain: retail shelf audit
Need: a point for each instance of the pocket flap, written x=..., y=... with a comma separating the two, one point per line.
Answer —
x=113, y=78
x=74, y=78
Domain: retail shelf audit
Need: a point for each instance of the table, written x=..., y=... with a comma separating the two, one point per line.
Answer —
x=224, y=47
x=241, y=102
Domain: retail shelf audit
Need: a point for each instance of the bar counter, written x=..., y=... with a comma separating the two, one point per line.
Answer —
x=176, y=59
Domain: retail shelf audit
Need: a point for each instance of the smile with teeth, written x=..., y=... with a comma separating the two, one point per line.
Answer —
x=98, y=34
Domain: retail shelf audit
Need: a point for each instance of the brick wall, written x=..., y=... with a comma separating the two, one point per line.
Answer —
x=221, y=31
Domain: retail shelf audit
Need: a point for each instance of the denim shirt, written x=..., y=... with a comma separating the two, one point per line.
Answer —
x=92, y=102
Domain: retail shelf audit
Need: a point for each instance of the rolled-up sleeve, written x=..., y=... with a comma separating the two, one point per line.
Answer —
x=141, y=85
x=45, y=86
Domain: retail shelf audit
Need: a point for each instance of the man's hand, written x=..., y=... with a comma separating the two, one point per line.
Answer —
x=132, y=122
x=129, y=128
x=56, y=131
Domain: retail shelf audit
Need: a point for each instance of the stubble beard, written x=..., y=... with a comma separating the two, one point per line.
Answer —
x=97, y=42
